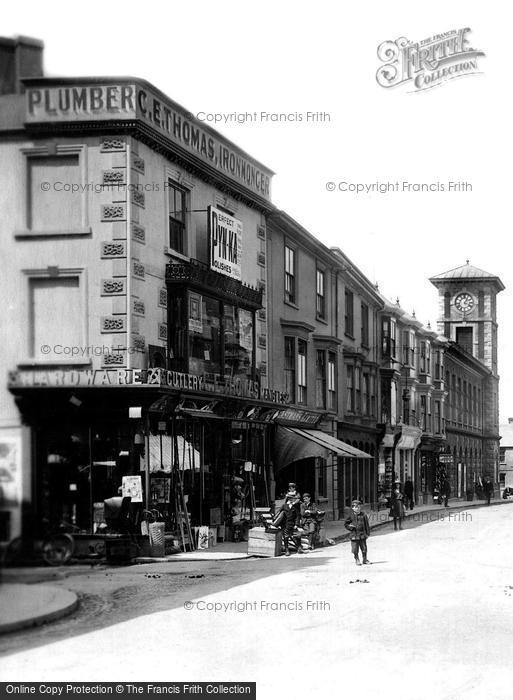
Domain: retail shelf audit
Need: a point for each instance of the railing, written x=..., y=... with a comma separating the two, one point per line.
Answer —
x=200, y=275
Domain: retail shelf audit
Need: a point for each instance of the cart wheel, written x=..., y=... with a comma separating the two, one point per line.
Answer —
x=58, y=549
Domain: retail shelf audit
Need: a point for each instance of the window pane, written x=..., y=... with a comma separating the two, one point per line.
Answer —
x=204, y=333
x=56, y=316
x=55, y=209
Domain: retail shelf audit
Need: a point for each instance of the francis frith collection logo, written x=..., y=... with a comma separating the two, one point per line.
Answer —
x=427, y=63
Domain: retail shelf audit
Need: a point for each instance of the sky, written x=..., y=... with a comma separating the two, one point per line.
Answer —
x=291, y=58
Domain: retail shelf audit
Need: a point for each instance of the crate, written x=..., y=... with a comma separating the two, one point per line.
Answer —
x=264, y=544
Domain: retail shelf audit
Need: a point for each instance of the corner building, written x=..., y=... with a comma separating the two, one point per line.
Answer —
x=136, y=285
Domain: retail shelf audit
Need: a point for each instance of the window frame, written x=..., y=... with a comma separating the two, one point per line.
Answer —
x=172, y=185
x=290, y=277
x=364, y=312
x=45, y=273
x=302, y=371
x=349, y=312
x=61, y=150
x=320, y=297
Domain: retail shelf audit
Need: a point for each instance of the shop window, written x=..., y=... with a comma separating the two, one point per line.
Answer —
x=320, y=298
x=177, y=213
x=290, y=368
x=56, y=318
x=204, y=334
x=290, y=275
x=320, y=379
x=365, y=324
x=238, y=341
x=332, y=379
x=349, y=313
x=58, y=208
x=301, y=371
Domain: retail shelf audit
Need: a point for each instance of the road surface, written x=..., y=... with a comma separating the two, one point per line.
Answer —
x=431, y=617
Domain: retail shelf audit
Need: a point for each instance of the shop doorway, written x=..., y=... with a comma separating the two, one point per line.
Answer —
x=301, y=472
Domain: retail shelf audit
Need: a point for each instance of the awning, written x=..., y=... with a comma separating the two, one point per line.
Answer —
x=293, y=444
x=330, y=443
x=407, y=442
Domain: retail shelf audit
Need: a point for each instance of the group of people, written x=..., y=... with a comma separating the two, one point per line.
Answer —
x=298, y=516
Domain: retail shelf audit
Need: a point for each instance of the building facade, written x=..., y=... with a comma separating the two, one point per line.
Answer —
x=468, y=318
x=137, y=341
x=169, y=330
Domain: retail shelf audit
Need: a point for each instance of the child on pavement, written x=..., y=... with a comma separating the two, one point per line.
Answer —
x=358, y=524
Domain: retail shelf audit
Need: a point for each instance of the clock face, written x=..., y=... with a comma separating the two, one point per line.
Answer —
x=464, y=302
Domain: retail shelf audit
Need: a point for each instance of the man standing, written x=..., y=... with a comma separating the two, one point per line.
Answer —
x=358, y=525
x=488, y=489
x=408, y=493
x=446, y=491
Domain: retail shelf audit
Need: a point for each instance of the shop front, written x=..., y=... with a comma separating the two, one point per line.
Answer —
x=197, y=456
x=358, y=475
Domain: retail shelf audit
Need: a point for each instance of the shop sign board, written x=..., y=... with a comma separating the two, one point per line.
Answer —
x=445, y=459
x=61, y=101
x=225, y=243
x=153, y=377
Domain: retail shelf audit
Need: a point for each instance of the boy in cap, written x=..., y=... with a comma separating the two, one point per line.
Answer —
x=289, y=519
x=358, y=525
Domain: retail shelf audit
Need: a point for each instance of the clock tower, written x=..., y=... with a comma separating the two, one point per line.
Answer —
x=468, y=318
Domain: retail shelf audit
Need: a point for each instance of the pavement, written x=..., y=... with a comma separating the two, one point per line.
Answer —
x=28, y=599
x=23, y=605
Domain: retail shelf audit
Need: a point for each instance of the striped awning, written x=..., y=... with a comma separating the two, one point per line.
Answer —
x=330, y=443
x=293, y=444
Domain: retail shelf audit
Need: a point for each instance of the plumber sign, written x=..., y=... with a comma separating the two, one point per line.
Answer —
x=225, y=243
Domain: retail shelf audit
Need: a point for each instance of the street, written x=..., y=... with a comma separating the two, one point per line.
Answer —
x=431, y=617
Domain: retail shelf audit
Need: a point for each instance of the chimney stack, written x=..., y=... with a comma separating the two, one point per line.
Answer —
x=20, y=57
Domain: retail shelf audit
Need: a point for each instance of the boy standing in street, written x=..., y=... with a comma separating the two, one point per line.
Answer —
x=358, y=525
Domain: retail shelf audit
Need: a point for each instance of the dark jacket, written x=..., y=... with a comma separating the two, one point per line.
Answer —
x=408, y=488
x=291, y=510
x=396, y=505
x=488, y=487
x=309, y=513
x=358, y=525
x=446, y=488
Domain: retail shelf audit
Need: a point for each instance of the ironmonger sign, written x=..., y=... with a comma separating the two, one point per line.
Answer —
x=50, y=100
x=151, y=377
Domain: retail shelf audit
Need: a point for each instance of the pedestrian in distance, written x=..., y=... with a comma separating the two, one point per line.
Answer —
x=445, y=491
x=358, y=525
x=397, y=506
x=488, y=489
x=408, y=493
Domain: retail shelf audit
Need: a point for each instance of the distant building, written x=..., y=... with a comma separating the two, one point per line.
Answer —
x=506, y=456
x=468, y=318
